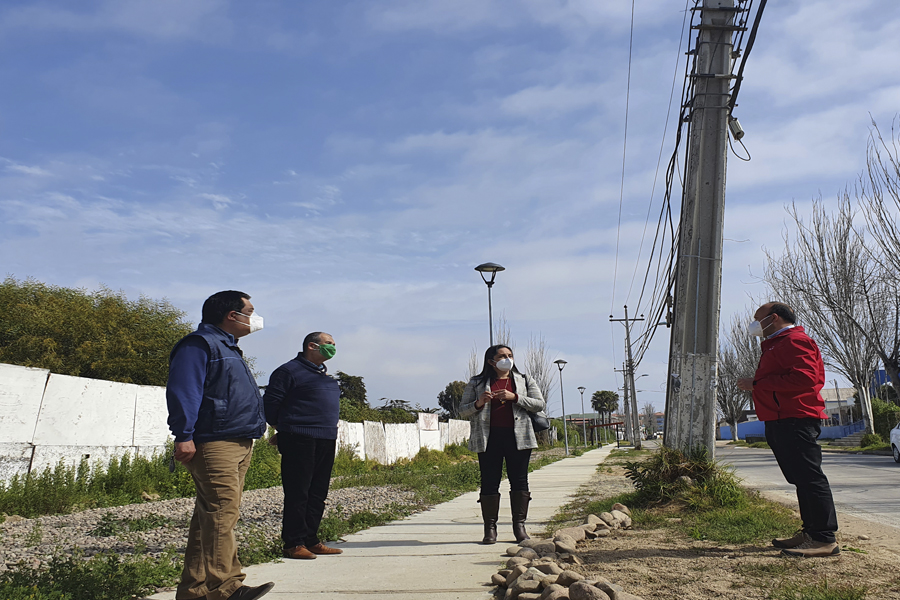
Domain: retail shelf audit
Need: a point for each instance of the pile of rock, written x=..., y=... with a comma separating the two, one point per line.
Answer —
x=536, y=569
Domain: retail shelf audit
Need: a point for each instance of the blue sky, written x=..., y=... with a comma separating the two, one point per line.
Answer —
x=349, y=163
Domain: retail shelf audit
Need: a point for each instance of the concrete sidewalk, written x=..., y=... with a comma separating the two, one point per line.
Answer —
x=434, y=554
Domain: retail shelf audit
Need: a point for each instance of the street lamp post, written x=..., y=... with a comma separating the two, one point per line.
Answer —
x=493, y=269
x=583, y=427
x=561, y=363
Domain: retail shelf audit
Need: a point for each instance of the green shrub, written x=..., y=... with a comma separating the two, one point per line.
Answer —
x=885, y=416
x=690, y=476
x=265, y=465
x=870, y=439
x=101, y=577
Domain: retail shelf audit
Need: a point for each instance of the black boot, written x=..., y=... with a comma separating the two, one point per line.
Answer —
x=519, y=503
x=490, y=509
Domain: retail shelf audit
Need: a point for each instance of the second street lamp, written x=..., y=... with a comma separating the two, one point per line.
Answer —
x=583, y=427
x=493, y=269
x=561, y=363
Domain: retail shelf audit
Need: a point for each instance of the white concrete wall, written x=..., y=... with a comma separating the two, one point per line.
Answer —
x=47, y=418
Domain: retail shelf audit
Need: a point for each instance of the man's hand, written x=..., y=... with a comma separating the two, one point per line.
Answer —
x=184, y=451
x=745, y=383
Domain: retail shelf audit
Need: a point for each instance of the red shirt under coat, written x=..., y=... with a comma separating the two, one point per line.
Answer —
x=789, y=377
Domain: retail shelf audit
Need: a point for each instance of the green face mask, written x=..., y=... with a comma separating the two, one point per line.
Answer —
x=327, y=350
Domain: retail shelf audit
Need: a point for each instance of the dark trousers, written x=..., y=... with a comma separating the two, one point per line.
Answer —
x=502, y=445
x=793, y=441
x=306, y=464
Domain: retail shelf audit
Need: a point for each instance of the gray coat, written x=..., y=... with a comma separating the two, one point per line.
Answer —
x=530, y=400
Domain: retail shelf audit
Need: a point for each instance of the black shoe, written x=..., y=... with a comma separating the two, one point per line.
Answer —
x=252, y=593
x=519, y=505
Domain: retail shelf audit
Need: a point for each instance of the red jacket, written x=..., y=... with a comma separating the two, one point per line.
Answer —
x=789, y=377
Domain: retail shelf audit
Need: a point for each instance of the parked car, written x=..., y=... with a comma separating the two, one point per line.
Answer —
x=895, y=442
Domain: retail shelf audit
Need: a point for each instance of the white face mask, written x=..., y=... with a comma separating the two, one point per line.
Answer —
x=504, y=364
x=256, y=322
x=756, y=328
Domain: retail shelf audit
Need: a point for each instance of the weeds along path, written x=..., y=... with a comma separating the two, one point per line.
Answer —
x=356, y=501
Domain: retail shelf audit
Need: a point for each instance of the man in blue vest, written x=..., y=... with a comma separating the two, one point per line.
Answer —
x=215, y=413
x=304, y=402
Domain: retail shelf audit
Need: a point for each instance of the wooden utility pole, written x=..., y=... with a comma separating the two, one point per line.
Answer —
x=634, y=421
x=691, y=393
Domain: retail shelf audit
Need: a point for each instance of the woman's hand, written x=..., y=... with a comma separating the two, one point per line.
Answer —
x=483, y=399
x=504, y=395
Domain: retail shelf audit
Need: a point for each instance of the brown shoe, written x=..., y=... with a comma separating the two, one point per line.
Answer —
x=792, y=542
x=321, y=548
x=813, y=549
x=298, y=552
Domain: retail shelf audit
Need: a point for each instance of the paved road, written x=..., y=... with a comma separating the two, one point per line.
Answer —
x=864, y=486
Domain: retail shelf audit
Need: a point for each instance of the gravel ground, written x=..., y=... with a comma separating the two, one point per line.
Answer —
x=35, y=540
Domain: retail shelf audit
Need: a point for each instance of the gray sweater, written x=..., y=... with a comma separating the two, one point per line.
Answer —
x=529, y=401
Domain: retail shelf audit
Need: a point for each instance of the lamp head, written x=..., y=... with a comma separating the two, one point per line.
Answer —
x=560, y=363
x=492, y=268
x=581, y=389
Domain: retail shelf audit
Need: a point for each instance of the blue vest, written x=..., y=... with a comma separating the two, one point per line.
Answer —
x=232, y=406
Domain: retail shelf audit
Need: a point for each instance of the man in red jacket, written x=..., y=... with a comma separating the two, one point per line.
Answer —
x=786, y=394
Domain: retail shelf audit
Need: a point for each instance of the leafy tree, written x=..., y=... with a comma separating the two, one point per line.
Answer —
x=352, y=388
x=100, y=334
x=450, y=398
x=605, y=402
x=397, y=411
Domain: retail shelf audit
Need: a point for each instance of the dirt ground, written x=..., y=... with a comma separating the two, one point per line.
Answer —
x=663, y=563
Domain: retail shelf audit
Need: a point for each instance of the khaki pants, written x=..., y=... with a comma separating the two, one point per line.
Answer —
x=211, y=566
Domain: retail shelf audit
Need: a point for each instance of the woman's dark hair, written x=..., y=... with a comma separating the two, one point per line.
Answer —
x=488, y=374
x=217, y=306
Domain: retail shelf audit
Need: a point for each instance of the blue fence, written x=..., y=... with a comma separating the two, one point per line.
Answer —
x=759, y=428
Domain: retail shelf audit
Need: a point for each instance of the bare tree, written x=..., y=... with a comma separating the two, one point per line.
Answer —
x=539, y=365
x=502, y=334
x=649, y=420
x=472, y=367
x=823, y=275
x=879, y=195
x=738, y=357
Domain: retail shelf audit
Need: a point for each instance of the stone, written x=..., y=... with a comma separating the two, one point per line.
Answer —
x=533, y=573
x=562, y=594
x=525, y=585
x=149, y=497
x=626, y=596
x=621, y=507
x=572, y=559
x=549, y=568
x=582, y=590
x=514, y=574
x=529, y=543
x=685, y=480
x=601, y=533
x=565, y=546
x=592, y=519
x=550, y=589
x=624, y=520
x=504, y=572
x=609, y=519
x=567, y=578
x=589, y=527
x=864, y=537
x=544, y=547
x=515, y=561
x=576, y=533
x=591, y=535
x=513, y=550
x=612, y=590
x=552, y=556
x=498, y=579
x=527, y=553
x=549, y=580
x=529, y=596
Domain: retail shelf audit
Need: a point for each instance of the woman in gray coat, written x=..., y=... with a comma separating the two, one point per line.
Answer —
x=497, y=402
